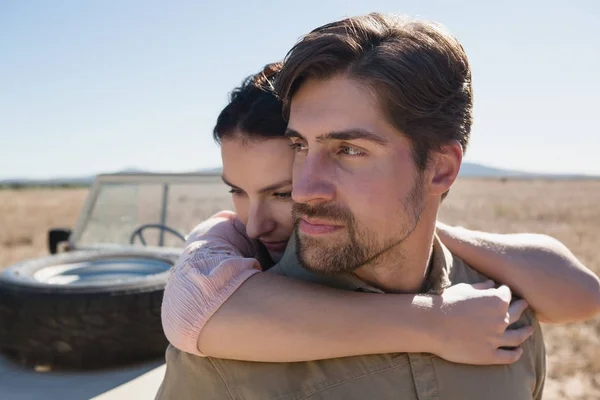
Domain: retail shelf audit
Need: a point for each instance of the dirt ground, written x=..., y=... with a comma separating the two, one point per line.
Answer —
x=567, y=210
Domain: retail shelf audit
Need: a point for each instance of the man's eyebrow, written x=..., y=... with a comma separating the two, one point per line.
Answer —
x=350, y=134
x=353, y=134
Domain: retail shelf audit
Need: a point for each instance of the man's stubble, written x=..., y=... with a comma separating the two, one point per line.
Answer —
x=361, y=246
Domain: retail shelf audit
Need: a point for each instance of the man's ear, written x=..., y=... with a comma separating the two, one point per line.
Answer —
x=444, y=165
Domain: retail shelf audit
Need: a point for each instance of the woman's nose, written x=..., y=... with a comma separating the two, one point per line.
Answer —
x=259, y=224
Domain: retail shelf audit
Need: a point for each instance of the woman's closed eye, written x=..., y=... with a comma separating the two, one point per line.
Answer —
x=283, y=195
x=236, y=191
x=298, y=147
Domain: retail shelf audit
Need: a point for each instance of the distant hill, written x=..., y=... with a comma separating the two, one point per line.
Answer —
x=66, y=181
x=75, y=181
x=474, y=170
x=468, y=170
x=471, y=170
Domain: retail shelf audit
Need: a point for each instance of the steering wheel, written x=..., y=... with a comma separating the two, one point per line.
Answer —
x=138, y=232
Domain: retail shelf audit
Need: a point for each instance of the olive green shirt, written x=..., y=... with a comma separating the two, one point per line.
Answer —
x=406, y=376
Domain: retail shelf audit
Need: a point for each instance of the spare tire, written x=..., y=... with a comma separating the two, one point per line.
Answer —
x=85, y=309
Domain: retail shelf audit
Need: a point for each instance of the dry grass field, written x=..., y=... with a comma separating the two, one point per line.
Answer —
x=569, y=211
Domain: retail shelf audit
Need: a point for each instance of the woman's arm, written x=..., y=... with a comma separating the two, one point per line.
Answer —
x=537, y=267
x=272, y=318
x=215, y=261
x=216, y=302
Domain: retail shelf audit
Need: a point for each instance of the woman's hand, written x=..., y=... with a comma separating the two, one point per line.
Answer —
x=474, y=325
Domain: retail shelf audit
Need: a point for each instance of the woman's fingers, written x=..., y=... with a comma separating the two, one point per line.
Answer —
x=504, y=293
x=515, y=310
x=509, y=350
x=515, y=337
x=485, y=285
x=502, y=356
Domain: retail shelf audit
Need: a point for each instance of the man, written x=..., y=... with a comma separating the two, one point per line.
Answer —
x=380, y=114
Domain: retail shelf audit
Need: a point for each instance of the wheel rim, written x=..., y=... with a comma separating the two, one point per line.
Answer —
x=105, y=270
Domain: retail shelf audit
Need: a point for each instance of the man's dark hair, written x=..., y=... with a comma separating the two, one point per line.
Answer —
x=254, y=111
x=418, y=71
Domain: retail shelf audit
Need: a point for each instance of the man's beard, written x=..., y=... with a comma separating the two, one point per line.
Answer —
x=361, y=246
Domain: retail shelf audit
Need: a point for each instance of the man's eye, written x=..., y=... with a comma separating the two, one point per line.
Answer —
x=298, y=147
x=351, y=151
x=283, y=195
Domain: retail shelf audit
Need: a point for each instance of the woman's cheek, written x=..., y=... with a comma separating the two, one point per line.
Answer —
x=241, y=208
x=284, y=214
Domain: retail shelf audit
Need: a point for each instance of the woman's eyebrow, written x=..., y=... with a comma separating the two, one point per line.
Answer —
x=225, y=181
x=275, y=186
x=291, y=133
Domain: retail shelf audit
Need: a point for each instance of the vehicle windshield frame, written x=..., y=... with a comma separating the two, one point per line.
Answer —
x=138, y=178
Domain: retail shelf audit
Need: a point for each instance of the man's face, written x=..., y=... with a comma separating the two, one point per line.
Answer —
x=357, y=190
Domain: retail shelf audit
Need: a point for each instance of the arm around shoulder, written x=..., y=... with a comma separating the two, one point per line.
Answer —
x=209, y=270
x=535, y=266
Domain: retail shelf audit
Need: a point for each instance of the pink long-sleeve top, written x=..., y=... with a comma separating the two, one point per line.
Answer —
x=216, y=260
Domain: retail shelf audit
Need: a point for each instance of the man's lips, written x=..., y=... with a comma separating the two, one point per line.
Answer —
x=277, y=247
x=317, y=227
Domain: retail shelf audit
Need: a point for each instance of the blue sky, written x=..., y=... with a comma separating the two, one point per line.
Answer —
x=98, y=86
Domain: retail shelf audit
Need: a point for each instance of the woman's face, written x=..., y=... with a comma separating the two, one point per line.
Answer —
x=259, y=173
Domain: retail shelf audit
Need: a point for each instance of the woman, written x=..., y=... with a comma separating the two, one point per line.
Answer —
x=217, y=304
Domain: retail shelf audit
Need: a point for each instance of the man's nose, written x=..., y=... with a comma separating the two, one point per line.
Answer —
x=259, y=223
x=313, y=180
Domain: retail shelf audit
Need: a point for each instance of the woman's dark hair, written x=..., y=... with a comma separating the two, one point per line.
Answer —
x=254, y=111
